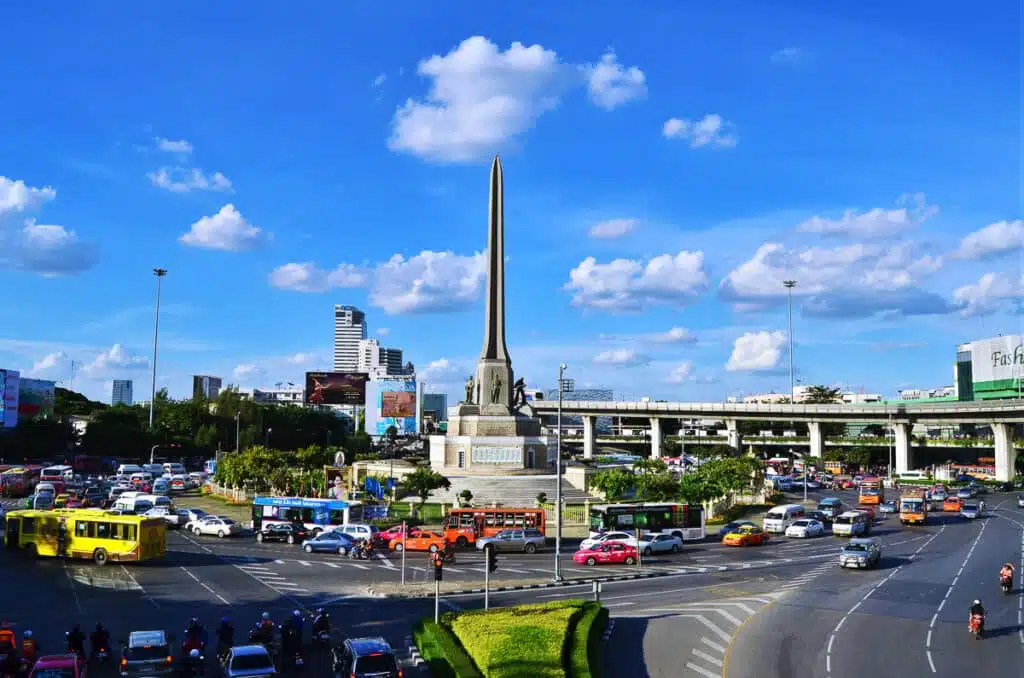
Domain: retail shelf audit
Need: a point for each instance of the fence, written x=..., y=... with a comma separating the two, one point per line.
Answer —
x=232, y=493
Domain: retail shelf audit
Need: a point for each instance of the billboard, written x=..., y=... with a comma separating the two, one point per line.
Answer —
x=36, y=399
x=396, y=405
x=997, y=359
x=9, y=390
x=336, y=388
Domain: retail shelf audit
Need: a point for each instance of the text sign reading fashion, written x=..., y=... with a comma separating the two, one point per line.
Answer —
x=997, y=359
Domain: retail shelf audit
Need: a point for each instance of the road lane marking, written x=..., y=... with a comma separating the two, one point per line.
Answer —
x=708, y=658
x=204, y=585
x=134, y=581
x=712, y=644
x=736, y=621
x=361, y=567
x=708, y=625
x=935, y=617
x=702, y=671
x=305, y=563
x=71, y=583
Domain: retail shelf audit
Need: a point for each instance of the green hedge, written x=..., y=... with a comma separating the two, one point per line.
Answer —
x=442, y=651
x=584, y=659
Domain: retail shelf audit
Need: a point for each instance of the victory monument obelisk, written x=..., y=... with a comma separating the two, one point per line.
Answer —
x=491, y=431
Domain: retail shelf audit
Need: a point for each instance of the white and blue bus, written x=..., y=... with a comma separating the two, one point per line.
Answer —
x=210, y=466
x=317, y=515
x=685, y=521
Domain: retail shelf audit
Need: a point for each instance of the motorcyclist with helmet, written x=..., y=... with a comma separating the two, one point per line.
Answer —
x=195, y=636
x=99, y=639
x=264, y=631
x=321, y=623
x=978, y=610
x=291, y=643
x=29, y=647
x=76, y=641
x=225, y=636
x=1006, y=576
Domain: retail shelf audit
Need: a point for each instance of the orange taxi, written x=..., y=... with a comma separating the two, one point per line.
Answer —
x=746, y=535
x=423, y=540
x=952, y=505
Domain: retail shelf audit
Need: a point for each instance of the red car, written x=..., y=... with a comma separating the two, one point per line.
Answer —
x=608, y=553
x=58, y=666
x=394, y=532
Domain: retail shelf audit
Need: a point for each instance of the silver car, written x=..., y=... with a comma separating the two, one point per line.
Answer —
x=970, y=511
x=861, y=554
x=248, y=661
x=527, y=541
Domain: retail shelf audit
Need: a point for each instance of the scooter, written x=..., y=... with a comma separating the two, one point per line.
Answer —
x=103, y=655
x=322, y=638
x=1006, y=584
x=977, y=626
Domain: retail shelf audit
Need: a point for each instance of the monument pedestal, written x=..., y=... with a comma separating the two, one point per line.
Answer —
x=492, y=440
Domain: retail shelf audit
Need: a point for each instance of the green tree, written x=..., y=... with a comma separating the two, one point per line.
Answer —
x=697, y=488
x=859, y=456
x=657, y=487
x=422, y=482
x=822, y=395
x=614, y=483
x=834, y=454
x=67, y=403
x=313, y=458
x=206, y=437
x=650, y=466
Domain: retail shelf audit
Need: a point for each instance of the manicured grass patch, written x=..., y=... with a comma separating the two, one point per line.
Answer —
x=585, y=647
x=527, y=641
x=216, y=505
x=442, y=651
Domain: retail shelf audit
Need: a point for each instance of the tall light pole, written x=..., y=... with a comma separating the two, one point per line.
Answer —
x=558, y=475
x=890, y=435
x=789, y=285
x=238, y=431
x=159, y=273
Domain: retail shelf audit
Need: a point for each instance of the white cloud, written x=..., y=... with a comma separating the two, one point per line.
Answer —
x=444, y=371
x=183, y=180
x=612, y=228
x=757, y=352
x=248, y=374
x=428, y=282
x=306, y=277
x=852, y=280
x=621, y=357
x=302, y=359
x=629, y=285
x=993, y=240
x=994, y=292
x=676, y=335
x=711, y=130
x=115, y=361
x=481, y=97
x=383, y=331
x=611, y=85
x=180, y=146
x=46, y=249
x=225, y=230
x=789, y=56
x=681, y=373
x=56, y=366
x=17, y=196
x=379, y=80
x=913, y=210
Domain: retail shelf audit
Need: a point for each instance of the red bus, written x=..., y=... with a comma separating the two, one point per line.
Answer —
x=463, y=526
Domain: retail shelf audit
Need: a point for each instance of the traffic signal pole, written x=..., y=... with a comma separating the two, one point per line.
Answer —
x=437, y=601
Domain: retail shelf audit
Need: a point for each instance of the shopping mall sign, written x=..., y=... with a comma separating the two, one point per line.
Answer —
x=997, y=359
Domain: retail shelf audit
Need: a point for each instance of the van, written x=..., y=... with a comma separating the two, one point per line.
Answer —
x=156, y=470
x=135, y=504
x=128, y=469
x=174, y=468
x=852, y=524
x=831, y=507
x=161, y=486
x=360, y=531
x=781, y=517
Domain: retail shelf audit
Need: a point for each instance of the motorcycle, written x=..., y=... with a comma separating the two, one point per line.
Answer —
x=977, y=625
x=26, y=665
x=190, y=667
x=1006, y=584
x=322, y=638
x=298, y=662
x=447, y=557
x=103, y=655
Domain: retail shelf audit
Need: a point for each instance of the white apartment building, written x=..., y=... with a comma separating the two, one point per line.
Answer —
x=378, y=361
x=349, y=330
x=275, y=396
x=800, y=394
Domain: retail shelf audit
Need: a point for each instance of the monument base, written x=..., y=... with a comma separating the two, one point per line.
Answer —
x=492, y=441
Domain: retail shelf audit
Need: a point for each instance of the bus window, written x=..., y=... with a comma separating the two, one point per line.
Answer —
x=355, y=513
x=490, y=517
x=103, y=530
x=336, y=517
x=519, y=518
x=129, y=532
x=80, y=528
x=28, y=525
x=694, y=517
x=466, y=520
x=530, y=520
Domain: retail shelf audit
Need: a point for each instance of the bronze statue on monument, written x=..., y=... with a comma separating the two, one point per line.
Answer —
x=470, y=387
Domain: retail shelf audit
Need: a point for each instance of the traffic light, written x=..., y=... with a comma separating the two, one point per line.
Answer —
x=492, y=559
x=438, y=569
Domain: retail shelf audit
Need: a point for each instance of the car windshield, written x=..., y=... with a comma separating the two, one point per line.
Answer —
x=252, y=662
x=376, y=663
x=859, y=548
x=801, y=523
x=143, y=652
x=54, y=673
x=969, y=507
x=843, y=520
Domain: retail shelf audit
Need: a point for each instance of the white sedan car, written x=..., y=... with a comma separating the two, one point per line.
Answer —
x=805, y=527
x=594, y=542
x=222, y=527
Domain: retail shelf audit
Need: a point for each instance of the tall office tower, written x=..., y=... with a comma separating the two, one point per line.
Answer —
x=377, y=361
x=349, y=330
x=205, y=388
x=122, y=392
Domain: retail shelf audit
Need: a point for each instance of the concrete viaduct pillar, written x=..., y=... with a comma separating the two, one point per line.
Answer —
x=1006, y=453
x=904, y=447
x=655, y=438
x=817, y=438
x=735, y=440
x=589, y=435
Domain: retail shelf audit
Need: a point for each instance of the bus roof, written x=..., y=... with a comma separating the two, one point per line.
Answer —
x=305, y=502
x=640, y=505
x=86, y=513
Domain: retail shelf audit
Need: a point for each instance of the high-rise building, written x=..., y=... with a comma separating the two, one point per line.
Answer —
x=349, y=330
x=435, y=407
x=378, y=361
x=205, y=388
x=121, y=393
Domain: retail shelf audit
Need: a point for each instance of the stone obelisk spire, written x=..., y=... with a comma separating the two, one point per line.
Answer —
x=494, y=369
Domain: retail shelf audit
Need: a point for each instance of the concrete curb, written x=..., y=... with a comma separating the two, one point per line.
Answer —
x=415, y=658
x=528, y=587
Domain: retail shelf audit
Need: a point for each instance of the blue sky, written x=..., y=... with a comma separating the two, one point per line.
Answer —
x=665, y=169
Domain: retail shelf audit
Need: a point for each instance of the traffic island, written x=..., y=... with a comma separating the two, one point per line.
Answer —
x=547, y=640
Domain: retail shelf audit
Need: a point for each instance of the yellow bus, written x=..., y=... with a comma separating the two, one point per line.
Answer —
x=92, y=534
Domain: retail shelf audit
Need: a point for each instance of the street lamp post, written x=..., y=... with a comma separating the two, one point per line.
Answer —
x=890, y=436
x=558, y=476
x=238, y=431
x=789, y=285
x=269, y=431
x=159, y=273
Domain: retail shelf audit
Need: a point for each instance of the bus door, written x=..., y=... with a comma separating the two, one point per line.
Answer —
x=13, y=532
x=478, y=526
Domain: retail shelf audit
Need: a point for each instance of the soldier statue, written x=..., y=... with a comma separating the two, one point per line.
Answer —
x=520, y=393
x=469, y=390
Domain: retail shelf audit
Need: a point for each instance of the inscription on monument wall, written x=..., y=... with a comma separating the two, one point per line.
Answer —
x=497, y=455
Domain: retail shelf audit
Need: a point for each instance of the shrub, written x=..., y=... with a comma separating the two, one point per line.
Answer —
x=586, y=638
x=442, y=651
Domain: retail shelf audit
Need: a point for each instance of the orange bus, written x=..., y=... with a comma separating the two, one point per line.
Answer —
x=463, y=526
x=871, y=491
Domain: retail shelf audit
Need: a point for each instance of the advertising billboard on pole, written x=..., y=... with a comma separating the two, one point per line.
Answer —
x=336, y=388
x=9, y=390
x=36, y=399
x=997, y=359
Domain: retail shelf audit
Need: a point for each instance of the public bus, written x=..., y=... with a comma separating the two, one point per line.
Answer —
x=679, y=520
x=317, y=515
x=58, y=473
x=92, y=534
x=19, y=481
x=871, y=491
x=463, y=526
